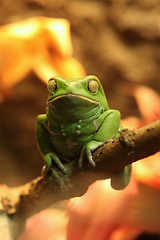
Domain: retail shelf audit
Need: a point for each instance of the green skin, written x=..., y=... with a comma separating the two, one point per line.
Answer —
x=78, y=120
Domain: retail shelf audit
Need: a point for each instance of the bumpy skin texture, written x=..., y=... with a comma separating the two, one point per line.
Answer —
x=78, y=120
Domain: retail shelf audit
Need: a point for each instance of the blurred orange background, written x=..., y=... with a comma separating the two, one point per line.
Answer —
x=118, y=41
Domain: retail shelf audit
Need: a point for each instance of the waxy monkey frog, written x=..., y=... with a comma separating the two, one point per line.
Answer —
x=77, y=121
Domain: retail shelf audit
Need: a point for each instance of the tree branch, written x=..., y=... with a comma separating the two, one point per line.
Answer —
x=38, y=194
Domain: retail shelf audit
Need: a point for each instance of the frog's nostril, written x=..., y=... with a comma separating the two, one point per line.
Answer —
x=65, y=85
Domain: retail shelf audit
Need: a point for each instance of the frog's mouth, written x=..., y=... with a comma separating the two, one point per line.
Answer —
x=72, y=97
x=73, y=106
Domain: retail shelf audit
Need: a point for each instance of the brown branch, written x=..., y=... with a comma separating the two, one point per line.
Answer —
x=38, y=194
x=132, y=146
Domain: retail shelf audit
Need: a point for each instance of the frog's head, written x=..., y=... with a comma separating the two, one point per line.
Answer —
x=76, y=96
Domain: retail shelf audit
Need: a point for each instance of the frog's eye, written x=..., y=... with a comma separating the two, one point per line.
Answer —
x=52, y=85
x=93, y=86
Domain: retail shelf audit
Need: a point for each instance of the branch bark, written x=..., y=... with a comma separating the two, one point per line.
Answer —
x=132, y=145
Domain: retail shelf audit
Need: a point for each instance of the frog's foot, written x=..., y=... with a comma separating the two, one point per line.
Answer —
x=87, y=149
x=51, y=158
x=121, y=178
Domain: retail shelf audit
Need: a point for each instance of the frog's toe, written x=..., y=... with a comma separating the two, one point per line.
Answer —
x=48, y=162
x=90, y=148
x=80, y=161
x=53, y=158
x=90, y=159
x=60, y=165
x=86, y=149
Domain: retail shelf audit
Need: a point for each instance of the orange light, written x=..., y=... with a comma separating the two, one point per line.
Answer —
x=39, y=44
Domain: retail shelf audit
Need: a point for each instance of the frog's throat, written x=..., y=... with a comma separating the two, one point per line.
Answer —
x=73, y=95
x=72, y=107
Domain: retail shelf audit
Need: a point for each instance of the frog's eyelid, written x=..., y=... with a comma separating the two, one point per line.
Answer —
x=52, y=78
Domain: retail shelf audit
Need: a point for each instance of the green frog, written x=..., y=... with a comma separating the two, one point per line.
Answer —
x=77, y=121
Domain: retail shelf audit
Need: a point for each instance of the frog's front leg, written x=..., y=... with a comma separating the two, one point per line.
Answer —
x=45, y=146
x=107, y=131
x=107, y=127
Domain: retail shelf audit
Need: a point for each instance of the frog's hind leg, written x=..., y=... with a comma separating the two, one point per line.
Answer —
x=121, y=178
